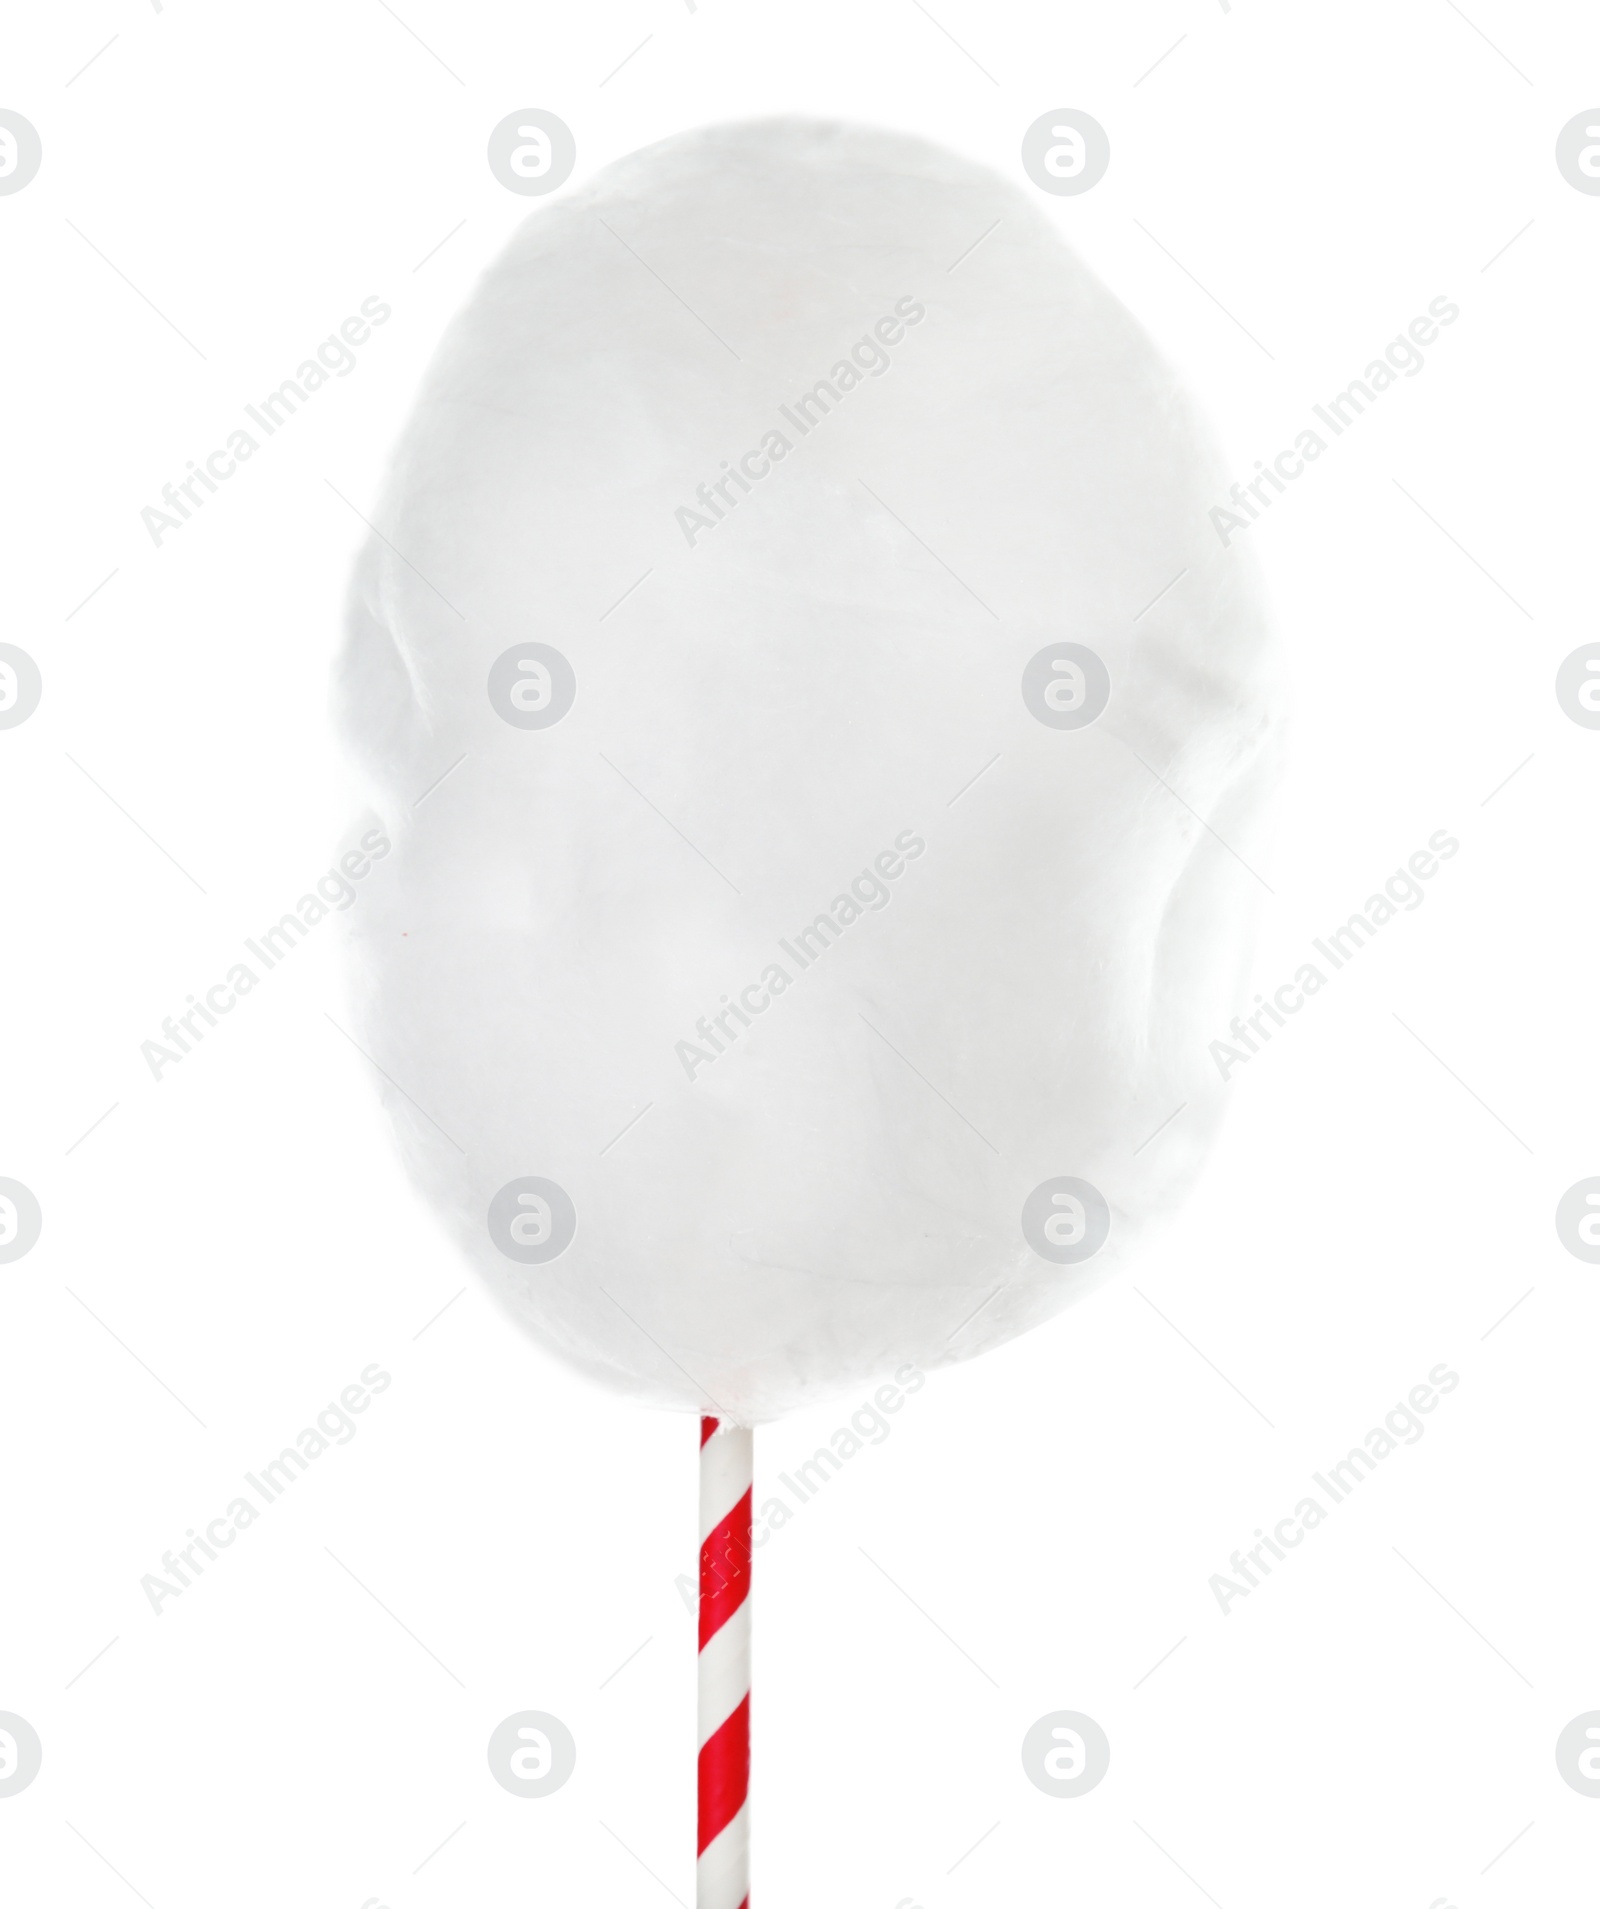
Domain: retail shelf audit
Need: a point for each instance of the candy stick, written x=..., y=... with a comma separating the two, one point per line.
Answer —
x=723, y=1871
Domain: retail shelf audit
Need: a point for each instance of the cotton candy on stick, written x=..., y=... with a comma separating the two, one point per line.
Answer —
x=802, y=947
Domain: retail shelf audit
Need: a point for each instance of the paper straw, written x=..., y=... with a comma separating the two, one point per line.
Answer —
x=723, y=1871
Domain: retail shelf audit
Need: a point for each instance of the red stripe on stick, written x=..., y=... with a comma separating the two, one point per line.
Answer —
x=707, y=1427
x=725, y=1570
x=724, y=1774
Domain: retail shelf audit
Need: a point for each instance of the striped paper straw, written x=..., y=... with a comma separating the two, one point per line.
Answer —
x=722, y=1877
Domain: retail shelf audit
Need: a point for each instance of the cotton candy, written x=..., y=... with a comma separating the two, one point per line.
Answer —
x=826, y=810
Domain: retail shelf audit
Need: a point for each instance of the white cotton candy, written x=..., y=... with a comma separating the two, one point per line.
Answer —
x=775, y=687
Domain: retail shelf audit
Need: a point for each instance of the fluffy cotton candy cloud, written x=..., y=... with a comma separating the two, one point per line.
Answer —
x=713, y=740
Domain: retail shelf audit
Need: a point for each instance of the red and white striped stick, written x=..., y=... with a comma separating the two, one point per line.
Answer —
x=722, y=1877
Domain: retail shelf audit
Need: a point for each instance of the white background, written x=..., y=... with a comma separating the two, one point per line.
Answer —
x=1343, y=1735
